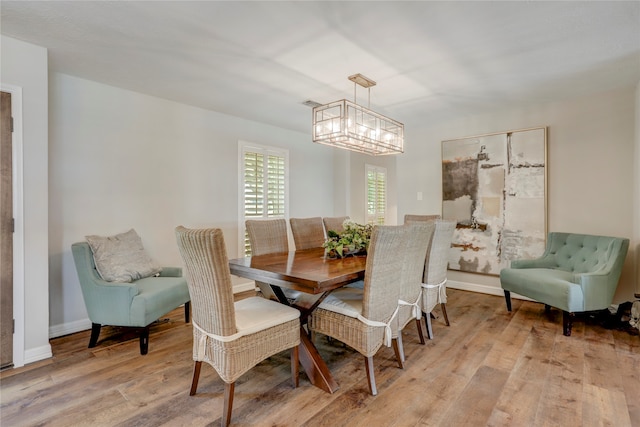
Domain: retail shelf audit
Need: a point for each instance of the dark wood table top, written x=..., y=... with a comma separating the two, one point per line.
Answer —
x=306, y=271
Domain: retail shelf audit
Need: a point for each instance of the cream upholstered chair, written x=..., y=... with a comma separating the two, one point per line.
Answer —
x=307, y=232
x=364, y=319
x=267, y=236
x=334, y=224
x=231, y=337
x=434, y=284
x=410, y=301
x=409, y=218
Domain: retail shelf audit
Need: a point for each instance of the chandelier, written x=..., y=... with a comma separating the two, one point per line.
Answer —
x=347, y=125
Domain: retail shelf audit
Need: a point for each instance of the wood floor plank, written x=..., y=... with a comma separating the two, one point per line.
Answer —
x=480, y=396
x=561, y=403
x=518, y=402
x=490, y=367
x=628, y=365
x=604, y=407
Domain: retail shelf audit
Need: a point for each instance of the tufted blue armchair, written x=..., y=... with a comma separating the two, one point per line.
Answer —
x=576, y=273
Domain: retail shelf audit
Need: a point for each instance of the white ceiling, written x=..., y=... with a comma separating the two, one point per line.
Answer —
x=260, y=60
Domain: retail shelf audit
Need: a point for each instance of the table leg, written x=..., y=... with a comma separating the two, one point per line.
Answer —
x=315, y=368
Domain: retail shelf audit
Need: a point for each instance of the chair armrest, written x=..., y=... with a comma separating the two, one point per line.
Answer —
x=109, y=302
x=171, y=272
x=598, y=289
x=543, y=262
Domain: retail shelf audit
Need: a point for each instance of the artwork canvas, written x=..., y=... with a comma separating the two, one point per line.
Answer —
x=494, y=188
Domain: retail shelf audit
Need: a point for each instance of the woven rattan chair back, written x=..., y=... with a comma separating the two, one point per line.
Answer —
x=207, y=271
x=307, y=232
x=334, y=223
x=434, y=290
x=267, y=236
x=415, y=251
x=438, y=254
x=410, y=219
x=385, y=258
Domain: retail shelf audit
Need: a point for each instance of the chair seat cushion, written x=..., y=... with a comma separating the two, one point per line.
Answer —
x=549, y=286
x=345, y=301
x=256, y=314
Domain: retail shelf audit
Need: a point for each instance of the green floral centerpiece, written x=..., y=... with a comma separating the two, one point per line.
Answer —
x=353, y=240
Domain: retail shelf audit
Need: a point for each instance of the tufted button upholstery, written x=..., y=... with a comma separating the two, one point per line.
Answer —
x=577, y=272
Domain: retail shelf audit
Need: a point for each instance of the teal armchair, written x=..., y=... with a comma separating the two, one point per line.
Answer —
x=136, y=304
x=576, y=273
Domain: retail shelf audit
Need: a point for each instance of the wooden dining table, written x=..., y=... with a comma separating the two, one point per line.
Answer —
x=307, y=271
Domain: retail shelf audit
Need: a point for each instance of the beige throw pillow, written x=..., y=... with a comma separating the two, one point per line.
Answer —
x=122, y=258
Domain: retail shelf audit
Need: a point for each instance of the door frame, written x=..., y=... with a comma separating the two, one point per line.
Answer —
x=18, y=215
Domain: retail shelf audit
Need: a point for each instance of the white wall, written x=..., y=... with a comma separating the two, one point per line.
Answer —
x=590, y=160
x=120, y=159
x=636, y=198
x=25, y=65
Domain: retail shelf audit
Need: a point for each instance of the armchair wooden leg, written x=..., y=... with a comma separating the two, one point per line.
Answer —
x=228, y=404
x=427, y=321
x=507, y=298
x=196, y=377
x=567, y=323
x=368, y=362
x=420, y=334
x=95, y=333
x=295, y=365
x=187, y=311
x=443, y=307
x=144, y=341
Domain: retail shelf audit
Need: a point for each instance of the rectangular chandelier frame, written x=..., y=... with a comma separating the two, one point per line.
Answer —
x=347, y=125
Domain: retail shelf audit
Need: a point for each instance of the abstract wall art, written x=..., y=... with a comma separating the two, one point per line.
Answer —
x=494, y=188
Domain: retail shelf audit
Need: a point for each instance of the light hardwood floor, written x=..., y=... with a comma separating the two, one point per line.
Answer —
x=490, y=367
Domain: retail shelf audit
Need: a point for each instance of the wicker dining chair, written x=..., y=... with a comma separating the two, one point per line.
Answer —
x=434, y=282
x=410, y=301
x=334, y=224
x=410, y=219
x=267, y=236
x=231, y=337
x=307, y=232
x=364, y=319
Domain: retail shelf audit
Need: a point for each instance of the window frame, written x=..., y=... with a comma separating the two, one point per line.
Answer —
x=374, y=218
x=266, y=150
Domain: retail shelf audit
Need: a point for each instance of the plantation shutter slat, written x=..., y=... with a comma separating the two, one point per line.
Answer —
x=376, y=194
x=264, y=182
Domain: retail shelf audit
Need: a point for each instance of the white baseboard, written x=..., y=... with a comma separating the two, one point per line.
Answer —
x=69, y=328
x=482, y=289
x=35, y=354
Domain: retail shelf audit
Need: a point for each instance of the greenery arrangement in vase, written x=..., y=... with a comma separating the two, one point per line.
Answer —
x=353, y=240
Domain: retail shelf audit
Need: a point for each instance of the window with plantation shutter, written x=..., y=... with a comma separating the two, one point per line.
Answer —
x=263, y=187
x=376, y=180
